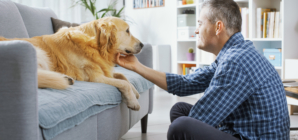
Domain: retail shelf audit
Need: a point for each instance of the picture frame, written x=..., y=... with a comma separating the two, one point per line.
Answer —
x=141, y=4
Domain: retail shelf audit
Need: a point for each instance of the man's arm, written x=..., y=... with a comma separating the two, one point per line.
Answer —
x=132, y=63
x=156, y=77
x=197, y=82
x=228, y=89
x=173, y=83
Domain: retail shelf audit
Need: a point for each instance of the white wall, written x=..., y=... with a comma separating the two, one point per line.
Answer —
x=65, y=11
x=156, y=26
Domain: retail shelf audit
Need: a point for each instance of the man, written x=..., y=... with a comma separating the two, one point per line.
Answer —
x=244, y=96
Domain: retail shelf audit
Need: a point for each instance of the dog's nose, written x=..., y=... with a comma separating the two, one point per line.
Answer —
x=142, y=45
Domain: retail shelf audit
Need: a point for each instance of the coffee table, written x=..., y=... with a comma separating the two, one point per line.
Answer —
x=292, y=99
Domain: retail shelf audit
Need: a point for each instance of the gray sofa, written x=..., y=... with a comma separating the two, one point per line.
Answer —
x=19, y=105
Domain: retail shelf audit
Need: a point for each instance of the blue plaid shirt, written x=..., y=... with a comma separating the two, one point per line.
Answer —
x=243, y=93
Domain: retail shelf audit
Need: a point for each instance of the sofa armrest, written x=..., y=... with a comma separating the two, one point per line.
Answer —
x=18, y=91
x=151, y=101
x=146, y=56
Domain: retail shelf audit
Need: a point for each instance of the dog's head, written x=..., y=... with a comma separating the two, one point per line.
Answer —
x=113, y=34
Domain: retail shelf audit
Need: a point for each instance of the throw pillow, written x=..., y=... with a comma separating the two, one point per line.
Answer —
x=57, y=24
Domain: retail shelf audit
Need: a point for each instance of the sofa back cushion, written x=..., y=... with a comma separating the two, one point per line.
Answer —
x=11, y=22
x=57, y=24
x=37, y=20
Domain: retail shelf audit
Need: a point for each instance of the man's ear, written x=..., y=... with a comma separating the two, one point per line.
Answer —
x=106, y=36
x=219, y=27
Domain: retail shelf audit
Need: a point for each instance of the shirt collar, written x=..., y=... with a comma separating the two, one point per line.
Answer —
x=234, y=39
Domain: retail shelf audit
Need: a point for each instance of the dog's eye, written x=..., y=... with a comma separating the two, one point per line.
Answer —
x=127, y=30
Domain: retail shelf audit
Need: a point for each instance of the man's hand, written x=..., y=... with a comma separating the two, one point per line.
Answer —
x=132, y=63
x=129, y=61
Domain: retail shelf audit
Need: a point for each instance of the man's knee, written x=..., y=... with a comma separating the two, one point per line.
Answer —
x=176, y=107
x=179, y=126
x=187, y=128
x=176, y=111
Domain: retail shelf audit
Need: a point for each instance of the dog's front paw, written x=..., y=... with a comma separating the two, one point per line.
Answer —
x=137, y=95
x=135, y=91
x=69, y=79
x=133, y=105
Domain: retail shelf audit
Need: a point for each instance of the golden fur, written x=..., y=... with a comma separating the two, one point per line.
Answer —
x=86, y=53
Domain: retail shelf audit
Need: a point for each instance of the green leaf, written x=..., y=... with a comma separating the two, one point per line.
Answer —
x=92, y=8
x=75, y=4
x=96, y=16
x=105, y=10
x=114, y=13
x=113, y=3
x=118, y=14
x=88, y=4
x=103, y=15
x=85, y=4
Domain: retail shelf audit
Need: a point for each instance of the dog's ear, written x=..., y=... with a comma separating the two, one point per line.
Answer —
x=106, y=37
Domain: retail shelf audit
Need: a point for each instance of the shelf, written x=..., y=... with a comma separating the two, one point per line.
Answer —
x=186, y=27
x=187, y=40
x=266, y=39
x=187, y=62
x=204, y=63
x=187, y=6
x=278, y=68
x=241, y=1
x=288, y=42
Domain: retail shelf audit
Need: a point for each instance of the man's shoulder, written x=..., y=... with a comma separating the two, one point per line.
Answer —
x=251, y=61
x=243, y=53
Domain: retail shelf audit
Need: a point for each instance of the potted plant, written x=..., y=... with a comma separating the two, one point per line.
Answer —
x=110, y=11
x=190, y=55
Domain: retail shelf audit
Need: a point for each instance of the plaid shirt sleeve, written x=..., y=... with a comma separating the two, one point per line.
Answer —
x=196, y=82
x=228, y=89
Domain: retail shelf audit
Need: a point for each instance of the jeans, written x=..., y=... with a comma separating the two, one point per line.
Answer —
x=187, y=128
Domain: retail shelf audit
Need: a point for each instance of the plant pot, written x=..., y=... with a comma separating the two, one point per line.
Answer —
x=190, y=56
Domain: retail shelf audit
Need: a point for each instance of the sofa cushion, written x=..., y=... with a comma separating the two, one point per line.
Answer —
x=37, y=20
x=57, y=24
x=11, y=22
x=60, y=110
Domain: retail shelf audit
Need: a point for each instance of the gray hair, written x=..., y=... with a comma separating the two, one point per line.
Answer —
x=227, y=11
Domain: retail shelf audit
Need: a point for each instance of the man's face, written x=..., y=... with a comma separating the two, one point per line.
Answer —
x=206, y=32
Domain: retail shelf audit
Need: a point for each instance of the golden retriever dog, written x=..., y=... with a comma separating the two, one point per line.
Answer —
x=86, y=53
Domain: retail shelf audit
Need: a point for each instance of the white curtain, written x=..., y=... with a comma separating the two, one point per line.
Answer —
x=64, y=9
